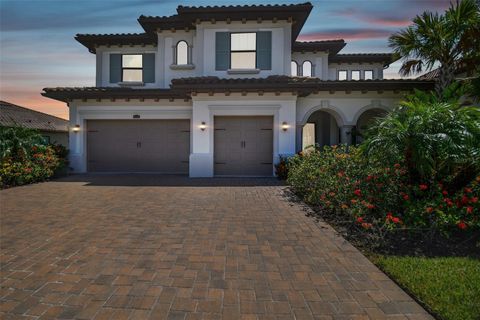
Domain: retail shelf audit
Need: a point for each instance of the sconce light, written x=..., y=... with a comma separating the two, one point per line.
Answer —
x=285, y=126
x=203, y=126
x=76, y=128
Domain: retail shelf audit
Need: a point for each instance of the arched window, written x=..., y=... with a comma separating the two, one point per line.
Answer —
x=294, y=67
x=307, y=69
x=182, y=53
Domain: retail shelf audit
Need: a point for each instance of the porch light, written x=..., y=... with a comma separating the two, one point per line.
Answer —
x=285, y=126
x=203, y=126
x=76, y=128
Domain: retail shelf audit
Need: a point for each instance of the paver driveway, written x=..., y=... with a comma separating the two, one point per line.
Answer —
x=138, y=247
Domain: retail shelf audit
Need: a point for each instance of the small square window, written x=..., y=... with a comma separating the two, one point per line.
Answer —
x=342, y=75
x=355, y=75
x=368, y=75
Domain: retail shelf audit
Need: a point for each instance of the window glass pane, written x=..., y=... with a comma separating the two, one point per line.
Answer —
x=368, y=74
x=307, y=69
x=132, y=60
x=294, y=68
x=243, y=41
x=355, y=75
x=243, y=60
x=132, y=75
x=342, y=75
x=182, y=53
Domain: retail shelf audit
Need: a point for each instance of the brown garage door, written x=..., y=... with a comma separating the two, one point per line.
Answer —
x=138, y=145
x=243, y=146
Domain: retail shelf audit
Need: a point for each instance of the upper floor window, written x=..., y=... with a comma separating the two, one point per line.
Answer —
x=342, y=74
x=355, y=74
x=307, y=69
x=243, y=54
x=182, y=53
x=294, y=67
x=132, y=68
x=368, y=75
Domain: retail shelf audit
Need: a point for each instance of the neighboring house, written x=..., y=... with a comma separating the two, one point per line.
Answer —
x=53, y=129
x=224, y=90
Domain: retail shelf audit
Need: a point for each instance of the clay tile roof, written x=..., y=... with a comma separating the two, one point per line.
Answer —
x=67, y=94
x=188, y=16
x=12, y=115
x=91, y=41
x=330, y=46
x=182, y=88
x=431, y=75
x=303, y=85
x=385, y=58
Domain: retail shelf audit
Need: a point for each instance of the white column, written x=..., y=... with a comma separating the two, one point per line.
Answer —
x=299, y=138
x=201, y=156
x=346, y=134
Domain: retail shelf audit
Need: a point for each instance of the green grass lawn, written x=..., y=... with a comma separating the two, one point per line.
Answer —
x=450, y=286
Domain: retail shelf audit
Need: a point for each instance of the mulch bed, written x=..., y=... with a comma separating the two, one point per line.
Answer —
x=397, y=242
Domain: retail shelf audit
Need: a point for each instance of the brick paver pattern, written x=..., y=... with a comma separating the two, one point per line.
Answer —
x=153, y=247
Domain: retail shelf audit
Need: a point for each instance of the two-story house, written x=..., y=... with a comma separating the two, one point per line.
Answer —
x=225, y=90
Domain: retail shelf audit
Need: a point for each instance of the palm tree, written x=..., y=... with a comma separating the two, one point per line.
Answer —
x=436, y=138
x=451, y=40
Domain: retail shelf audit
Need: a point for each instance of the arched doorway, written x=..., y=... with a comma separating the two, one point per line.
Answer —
x=365, y=120
x=320, y=129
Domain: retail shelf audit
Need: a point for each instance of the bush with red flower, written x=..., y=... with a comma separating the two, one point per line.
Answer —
x=24, y=158
x=379, y=198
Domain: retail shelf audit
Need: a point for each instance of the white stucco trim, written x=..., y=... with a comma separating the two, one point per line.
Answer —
x=205, y=108
x=376, y=104
x=327, y=107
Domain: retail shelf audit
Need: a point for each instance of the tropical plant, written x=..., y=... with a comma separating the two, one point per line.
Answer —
x=439, y=141
x=17, y=141
x=25, y=158
x=377, y=197
x=450, y=40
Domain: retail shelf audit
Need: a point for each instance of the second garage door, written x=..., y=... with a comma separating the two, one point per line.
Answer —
x=138, y=146
x=243, y=146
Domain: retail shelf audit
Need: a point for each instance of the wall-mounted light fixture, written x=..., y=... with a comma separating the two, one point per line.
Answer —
x=285, y=126
x=76, y=128
x=203, y=126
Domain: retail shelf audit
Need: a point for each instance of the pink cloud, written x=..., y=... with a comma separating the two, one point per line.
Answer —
x=31, y=98
x=388, y=22
x=347, y=34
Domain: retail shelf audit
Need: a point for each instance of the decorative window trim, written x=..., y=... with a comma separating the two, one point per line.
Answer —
x=291, y=67
x=243, y=71
x=189, y=65
x=131, y=84
x=311, y=69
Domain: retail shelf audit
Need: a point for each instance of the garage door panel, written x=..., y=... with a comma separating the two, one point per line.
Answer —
x=138, y=145
x=243, y=145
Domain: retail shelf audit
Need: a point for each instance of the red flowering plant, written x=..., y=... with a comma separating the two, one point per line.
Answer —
x=24, y=158
x=379, y=198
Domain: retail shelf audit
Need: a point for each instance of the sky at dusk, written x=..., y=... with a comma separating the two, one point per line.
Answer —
x=37, y=48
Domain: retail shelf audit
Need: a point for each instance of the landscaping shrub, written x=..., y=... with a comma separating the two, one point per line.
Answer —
x=379, y=198
x=418, y=170
x=25, y=158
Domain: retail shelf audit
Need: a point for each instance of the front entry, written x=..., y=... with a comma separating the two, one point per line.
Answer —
x=243, y=145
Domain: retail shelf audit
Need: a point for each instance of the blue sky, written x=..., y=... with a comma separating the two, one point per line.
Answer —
x=37, y=48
